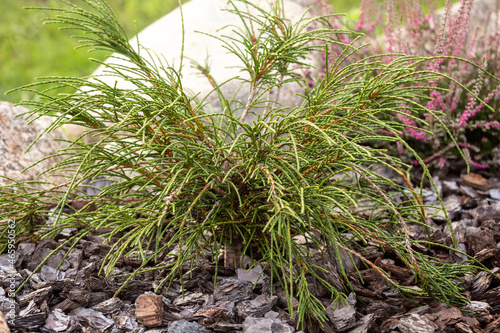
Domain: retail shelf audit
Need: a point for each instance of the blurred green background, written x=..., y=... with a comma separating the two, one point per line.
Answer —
x=30, y=49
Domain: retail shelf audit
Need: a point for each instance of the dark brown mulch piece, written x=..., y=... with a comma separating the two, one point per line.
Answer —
x=221, y=312
x=233, y=289
x=31, y=322
x=401, y=273
x=481, y=283
x=492, y=298
x=478, y=240
x=37, y=296
x=494, y=326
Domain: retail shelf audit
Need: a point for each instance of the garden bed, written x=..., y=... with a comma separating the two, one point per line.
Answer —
x=76, y=297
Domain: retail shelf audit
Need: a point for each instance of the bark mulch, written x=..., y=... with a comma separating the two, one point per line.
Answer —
x=74, y=297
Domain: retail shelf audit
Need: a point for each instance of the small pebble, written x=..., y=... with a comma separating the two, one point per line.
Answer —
x=495, y=193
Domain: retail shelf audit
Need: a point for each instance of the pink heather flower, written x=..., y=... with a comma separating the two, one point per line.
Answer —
x=385, y=132
x=469, y=112
x=481, y=105
x=435, y=101
x=468, y=145
x=442, y=162
x=492, y=125
x=462, y=26
x=417, y=134
x=325, y=8
x=455, y=98
x=477, y=165
x=410, y=124
x=367, y=17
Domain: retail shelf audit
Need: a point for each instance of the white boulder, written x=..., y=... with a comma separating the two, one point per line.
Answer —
x=163, y=40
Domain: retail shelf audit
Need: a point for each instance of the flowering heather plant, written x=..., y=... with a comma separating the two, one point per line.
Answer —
x=467, y=95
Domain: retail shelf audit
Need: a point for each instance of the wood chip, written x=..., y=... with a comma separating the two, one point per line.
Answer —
x=396, y=271
x=233, y=290
x=475, y=181
x=30, y=322
x=3, y=324
x=463, y=328
x=149, y=310
x=494, y=326
x=38, y=296
x=450, y=316
x=484, y=254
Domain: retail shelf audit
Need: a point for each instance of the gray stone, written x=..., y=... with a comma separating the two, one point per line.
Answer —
x=40, y=255
x=191, y=299
x=496, y=156
x=476, y=307
x=451, y=204
x=450, y=187
x=461, y=229
x=257, y=307
x=225, y=327
x=127, y=323
x=25, y=249
x=8, y=305
x=269, y=324
x=221, y=311
x=253, y=275
x=415, y=323
x=75, y=258
x=458, y=257
x=495, y=193
x=184, y=326
x=487, y=212
x=111, y=305
x=48, y=273
x=58, y=321
x=364, y=324
x=7, y=266
x=343, y=315
x=429, y=195
x=94, y=318
x=15, y=137
x=234, y=290
x=468, y=191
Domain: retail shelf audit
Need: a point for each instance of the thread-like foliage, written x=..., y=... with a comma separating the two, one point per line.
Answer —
x=182, y=176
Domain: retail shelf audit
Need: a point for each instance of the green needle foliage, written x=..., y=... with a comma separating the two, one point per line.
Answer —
x=205, y=182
